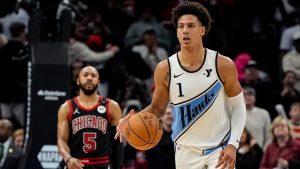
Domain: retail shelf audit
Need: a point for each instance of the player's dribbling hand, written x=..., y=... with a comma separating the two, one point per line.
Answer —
x=121, y=125
x=74, y=163
x=227, y=158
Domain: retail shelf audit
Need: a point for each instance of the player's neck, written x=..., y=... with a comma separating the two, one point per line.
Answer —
x=192, y=53
x=192, y=59
x=88, y=101
x=88, y=98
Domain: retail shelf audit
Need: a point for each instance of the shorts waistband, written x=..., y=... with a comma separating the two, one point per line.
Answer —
x=95, y=160
x=210, y=150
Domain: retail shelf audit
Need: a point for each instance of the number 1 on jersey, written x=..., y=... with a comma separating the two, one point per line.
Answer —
x=180, y=90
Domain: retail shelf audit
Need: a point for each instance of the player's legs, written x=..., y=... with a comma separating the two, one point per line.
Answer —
x=189, y=158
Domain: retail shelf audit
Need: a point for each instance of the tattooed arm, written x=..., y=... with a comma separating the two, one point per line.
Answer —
x=160, y=98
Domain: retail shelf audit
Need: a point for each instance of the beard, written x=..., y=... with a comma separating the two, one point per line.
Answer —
x=88, y=91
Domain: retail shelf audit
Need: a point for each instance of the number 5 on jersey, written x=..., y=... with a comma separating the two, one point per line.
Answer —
x=89, y=142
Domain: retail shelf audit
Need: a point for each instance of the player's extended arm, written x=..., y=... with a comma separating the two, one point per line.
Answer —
x=237, y=110
x=63, y=136
x=160, y=98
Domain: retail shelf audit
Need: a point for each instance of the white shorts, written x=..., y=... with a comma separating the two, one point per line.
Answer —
x=191, y=158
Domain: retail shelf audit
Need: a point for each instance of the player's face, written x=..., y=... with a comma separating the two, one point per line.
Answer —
x=88, y=80
x=190, y=30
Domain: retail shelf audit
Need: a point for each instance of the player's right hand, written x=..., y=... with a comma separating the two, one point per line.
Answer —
x=227, y=158
x=75, y=163
x=120, y=126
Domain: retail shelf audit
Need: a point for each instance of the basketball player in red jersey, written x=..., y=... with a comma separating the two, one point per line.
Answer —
x=87, y=124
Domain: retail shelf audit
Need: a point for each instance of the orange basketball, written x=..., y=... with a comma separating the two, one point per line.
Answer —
x=142, y=130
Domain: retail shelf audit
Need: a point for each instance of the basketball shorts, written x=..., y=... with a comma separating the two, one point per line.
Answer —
x=191, y=158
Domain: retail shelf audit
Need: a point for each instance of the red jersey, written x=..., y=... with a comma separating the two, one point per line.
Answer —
x=89, y=139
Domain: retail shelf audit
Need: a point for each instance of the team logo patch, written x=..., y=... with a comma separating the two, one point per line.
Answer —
x=101, y=109
x=76, y=111
x=208, y=72
x=175, y=76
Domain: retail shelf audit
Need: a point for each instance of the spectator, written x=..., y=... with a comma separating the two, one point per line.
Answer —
x=150, y=52
x=146, y=21
x=102, y=30
x=262, y=85
x=9, y=154
x=249, y=152
x=127, y=86
x=288, y=33
x=123, y=11
x=162, y=156
x=21, y=17
x=252, y=66
x=125, y=82
x=291, y=60
x=295, y=119
x=94, y=31
x=241, y=62
x=14, y=55
x=149, y=49
x=287, y=36
x=18, y=138
x=287, y=93
x=258, y=120
x=284, y=151
x=286, y=43
x=288, y=10
x=80, y=51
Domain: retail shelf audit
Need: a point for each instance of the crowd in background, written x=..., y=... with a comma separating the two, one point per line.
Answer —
x=125, y=39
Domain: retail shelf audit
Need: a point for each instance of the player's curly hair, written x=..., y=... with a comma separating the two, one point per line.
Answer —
x=193, y=8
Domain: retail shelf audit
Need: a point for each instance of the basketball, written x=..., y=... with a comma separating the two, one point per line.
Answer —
x=142, y=130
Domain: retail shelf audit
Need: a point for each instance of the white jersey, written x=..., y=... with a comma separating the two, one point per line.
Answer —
x=199, y=103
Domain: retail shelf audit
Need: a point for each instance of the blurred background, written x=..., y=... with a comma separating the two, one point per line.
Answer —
x=44, y=44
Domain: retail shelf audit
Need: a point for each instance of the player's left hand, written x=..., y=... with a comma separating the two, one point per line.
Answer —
x=227, y=158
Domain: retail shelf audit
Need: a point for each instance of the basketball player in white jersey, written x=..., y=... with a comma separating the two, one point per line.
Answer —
x=209, y=110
